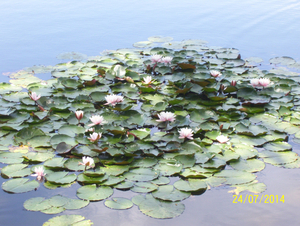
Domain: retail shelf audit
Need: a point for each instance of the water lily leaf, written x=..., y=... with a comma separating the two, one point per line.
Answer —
x=56, y=139
x=252, y=130
x=11, y=158
x=250, y=165
x=168, y=167
x=19, y=185
x=94, y=193
x=251, y=187
x=75, y=204
x=37, y=204
x=144, y=162
x=73, y=164
x=144, y=187
x=63, y=148
x=282, y=60
x=141, y=133
x=91, y=179
x=161, y=181
x=202, y=115
x=115, y=170
x=169, y=193
x=236, y=177
x=125, y=185
x=39, y=156
x=160, y=209
x=113, y=180
x=245, y=151
x=61, y=177
x=39, y=141
x=66, y=220
x=186, y=160
x=71, y=130
x=278, y=158
x=53, y=210
x=118, y=203
x=141, y=174
x=16, y=170
x=278, y=146
x=143, y=44
x=190, y=185
x=7, y=87
x=160, y=38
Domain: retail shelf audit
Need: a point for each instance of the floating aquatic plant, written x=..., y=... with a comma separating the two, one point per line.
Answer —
x=229, y=112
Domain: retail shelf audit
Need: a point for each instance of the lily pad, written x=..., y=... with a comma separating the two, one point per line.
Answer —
x=118, y=203
x=19, y=185
x=94, y=193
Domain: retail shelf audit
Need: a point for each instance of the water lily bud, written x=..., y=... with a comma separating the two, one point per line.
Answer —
x=79, y=115
x=233, y=83
x=222, y=87
x=221, y=126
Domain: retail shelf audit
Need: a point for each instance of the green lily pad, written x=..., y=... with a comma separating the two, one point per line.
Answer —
x=250, y=165
x=160, y=209
x=66, y=220
x=19, y=185
x=190, y=185
x=236, y=177
x=141, y=174
x=144, y=187
x=169, y=193
x=16, y=170
x=118, y=203
x=61, y=177
x=94, y=193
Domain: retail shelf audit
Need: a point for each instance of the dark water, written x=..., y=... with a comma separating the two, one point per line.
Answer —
x=34, y=32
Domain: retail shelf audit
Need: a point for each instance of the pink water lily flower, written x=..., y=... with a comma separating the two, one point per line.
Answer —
x=166, y=116
x=166, y=60
x=186, y=133
x=34, y=96
x=156, y=58
x=255, y=82
x=96, y=120
x=215, y=73
x=87, y=161
x=79, y=115
x=147, y=80
x=264, y=82
x=113, y=99
x=39, y=173
x=222, y=139
x=95, y=136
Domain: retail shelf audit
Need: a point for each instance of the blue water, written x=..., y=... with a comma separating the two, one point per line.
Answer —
x=34, y=32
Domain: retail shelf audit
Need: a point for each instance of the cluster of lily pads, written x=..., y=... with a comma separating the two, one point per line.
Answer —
x=131, y=119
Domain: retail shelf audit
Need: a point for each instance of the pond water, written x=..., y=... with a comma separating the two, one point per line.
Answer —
x=34, y=32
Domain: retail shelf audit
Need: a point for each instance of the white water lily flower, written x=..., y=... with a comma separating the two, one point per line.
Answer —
x=215, y=73
x=34, y=96
x=186, y=133
x=79, y=115
x=255, y=82
x=113, y=99
x=39, y=173
x=166, y=116
x=222, y=139
x=147, y=80
x=167, y=60
x=95, y=136
x=264, y=82
x=87, y=161
x=96, y=120
x=156, y=58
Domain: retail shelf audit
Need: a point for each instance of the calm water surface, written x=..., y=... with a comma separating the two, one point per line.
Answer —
x=34, y=32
